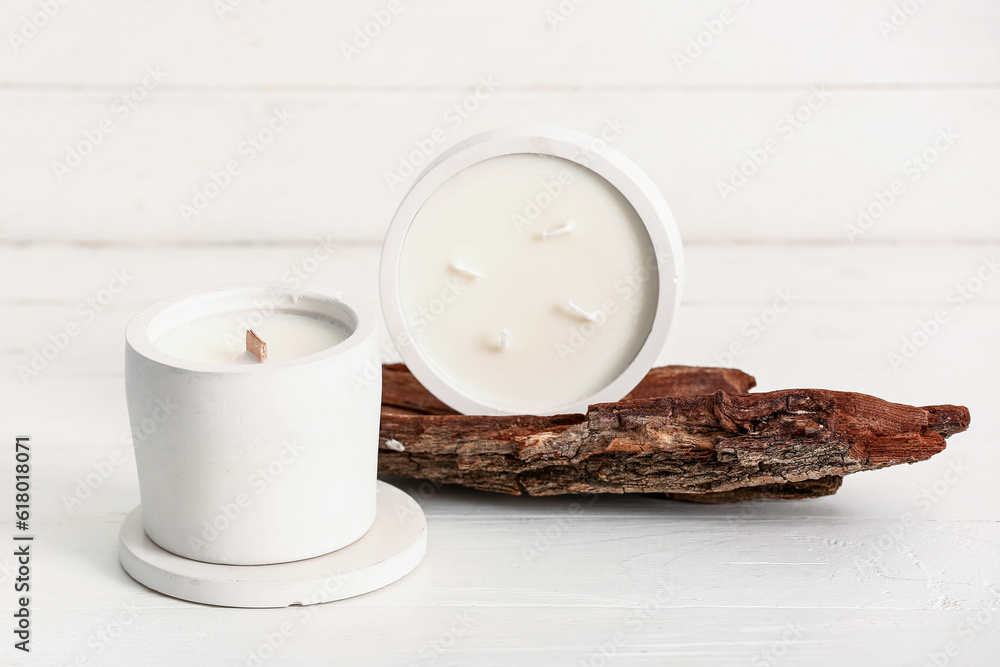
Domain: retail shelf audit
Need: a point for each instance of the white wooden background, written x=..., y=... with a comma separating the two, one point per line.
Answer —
x=624, y=580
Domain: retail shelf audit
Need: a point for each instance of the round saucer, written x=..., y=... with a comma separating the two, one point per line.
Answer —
x=390, y=549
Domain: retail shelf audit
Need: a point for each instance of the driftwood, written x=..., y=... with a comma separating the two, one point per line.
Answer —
x=690, y=433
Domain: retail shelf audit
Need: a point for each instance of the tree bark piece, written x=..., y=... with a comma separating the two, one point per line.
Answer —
x=812, y=488
x=722, y=446
x=403, y=394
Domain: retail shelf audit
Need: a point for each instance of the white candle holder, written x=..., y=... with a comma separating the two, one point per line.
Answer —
x=269, y=464
x=450, y=375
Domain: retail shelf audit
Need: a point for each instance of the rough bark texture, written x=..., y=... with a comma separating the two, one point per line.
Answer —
x=812, y=488
x=403, y=394
x=693, y=434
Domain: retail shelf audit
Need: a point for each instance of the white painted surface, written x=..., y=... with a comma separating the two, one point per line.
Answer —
x=521, y=579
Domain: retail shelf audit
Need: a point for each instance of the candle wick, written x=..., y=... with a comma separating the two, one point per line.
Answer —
x=504, y=338
x=577, y=310
x=476, y=275
x=565, y=229
x=256, y=346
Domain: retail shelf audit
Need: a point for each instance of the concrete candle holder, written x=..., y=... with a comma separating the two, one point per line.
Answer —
x=248, y=459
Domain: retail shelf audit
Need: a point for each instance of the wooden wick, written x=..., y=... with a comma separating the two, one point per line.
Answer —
x=256, y=346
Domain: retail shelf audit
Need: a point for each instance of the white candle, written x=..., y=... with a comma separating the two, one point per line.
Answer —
x=221, y=339
x=247, y=462
x=522, y=282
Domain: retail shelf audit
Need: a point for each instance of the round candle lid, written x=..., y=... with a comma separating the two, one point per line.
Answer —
x=531, y=270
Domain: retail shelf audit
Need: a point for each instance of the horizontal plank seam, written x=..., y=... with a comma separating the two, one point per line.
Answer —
x=284, y=89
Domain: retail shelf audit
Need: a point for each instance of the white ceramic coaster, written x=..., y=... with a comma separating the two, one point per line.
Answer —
x=393, y=546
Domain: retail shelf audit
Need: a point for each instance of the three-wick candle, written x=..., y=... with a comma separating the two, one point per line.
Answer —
x=531, y=270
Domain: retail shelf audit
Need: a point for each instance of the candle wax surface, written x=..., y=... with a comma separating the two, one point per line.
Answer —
x=222, y=339
x=529, y=281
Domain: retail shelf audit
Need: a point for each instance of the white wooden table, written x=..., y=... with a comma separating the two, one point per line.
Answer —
x=902, y=566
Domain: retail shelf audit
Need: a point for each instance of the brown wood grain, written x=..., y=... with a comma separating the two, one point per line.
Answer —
x=691, y=433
